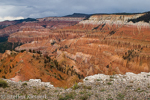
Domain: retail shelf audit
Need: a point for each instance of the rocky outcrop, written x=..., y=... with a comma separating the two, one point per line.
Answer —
x=110, y=19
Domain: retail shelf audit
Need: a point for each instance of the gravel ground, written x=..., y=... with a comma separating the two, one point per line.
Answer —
x=97, y=87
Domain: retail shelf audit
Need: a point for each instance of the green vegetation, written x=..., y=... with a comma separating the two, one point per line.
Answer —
x=109, y=83
x=3, y=39
x=102, y=90
x=87, y=87
x=109, y=98
x=68, y=96
x=98, y=79
x=25, y=20
x=23, y=50
x=3, y=83
x=129, y=55
x=83, y=92
x=86, y=79
x=111, y=76
x=24, y=84
x=5, y=45
x=84, y=97
x=75, y=86
x=120, y=96
x=145, y=18
x=4, y=77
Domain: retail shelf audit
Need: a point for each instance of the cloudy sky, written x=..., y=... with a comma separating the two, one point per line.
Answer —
x=17, y=9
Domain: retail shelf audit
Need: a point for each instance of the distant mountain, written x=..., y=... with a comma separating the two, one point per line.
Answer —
x=78, y=15
x=14, y=22
x=26, y=20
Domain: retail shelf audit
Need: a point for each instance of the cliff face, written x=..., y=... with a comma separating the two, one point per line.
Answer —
x=124, y=18
x=118, y=20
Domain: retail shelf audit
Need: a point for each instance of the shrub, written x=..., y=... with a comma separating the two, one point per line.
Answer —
x=33, y=56
x=53, y=42
x=5, y=72
x=66, y=46
x=3, y=83
x=87, y=87
x=86, y=79
x=55, y=62
x=30, y=50
x=24, y=84
x=83, y=92
x=43, y=88
x=68, y=96
x=120, y=96
x=34, y=51
x=56, y=91
x=61, y=77
x=102, y=90
x=23, y=50
x=111, y=76
x=39, y=52
x=109, y=83
x=75, y=86
x=4, y=77
x=98, y=79
x=84, y=97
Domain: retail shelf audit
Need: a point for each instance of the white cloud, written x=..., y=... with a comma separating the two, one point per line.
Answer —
x=10, y=18
x=44, y=8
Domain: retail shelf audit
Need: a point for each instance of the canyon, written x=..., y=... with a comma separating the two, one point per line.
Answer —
x=101, y=44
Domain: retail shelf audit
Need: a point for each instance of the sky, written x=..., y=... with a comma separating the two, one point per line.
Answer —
x=19, y=9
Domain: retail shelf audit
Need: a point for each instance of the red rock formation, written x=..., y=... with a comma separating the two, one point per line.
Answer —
x=31, y=31
x=26, y=65
x=50, y=23
x=105, y=44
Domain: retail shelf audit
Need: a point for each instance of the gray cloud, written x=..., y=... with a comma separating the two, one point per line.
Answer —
x=44, y=8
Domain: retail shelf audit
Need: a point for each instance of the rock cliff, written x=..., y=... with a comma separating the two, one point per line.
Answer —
x=106, y=44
